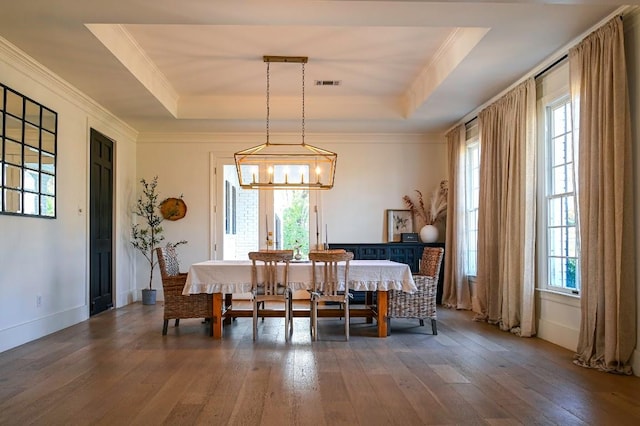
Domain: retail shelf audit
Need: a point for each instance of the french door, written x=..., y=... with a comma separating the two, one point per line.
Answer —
x=248, y=220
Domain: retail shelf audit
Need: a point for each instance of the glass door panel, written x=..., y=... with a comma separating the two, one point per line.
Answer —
x=248, y=219
x=291, y=208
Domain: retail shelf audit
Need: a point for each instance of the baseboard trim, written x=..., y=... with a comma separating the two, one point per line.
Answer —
x=558, y=334
x=635, y=362
x=23, y=333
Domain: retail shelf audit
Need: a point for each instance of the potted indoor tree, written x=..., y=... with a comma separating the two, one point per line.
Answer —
x=148, y=234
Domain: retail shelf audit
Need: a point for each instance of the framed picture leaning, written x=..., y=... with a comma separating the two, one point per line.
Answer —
x=398, y=221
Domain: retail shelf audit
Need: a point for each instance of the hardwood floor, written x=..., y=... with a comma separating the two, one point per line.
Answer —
x=117, y=368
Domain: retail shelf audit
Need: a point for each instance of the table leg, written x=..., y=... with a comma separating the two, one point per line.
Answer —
x=382, y=313
x=217, y=315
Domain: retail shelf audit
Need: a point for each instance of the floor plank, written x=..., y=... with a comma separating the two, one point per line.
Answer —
x=117, y=368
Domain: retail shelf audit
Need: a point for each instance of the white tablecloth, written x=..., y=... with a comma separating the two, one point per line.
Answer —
x=234, y=276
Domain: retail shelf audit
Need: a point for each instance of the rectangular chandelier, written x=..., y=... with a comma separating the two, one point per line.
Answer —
x=285, y=166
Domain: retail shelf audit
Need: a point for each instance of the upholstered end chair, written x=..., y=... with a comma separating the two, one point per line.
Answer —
x=176, y=305
x=420, y=305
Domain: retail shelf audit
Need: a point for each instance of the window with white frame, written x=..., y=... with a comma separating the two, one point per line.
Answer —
x=472, y=191
x=562, y=254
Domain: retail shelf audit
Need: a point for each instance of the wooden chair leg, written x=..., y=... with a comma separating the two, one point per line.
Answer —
x=164, y=327
x=228, y=302
x=291, y=314
x=211, y=327
x=255, y=319
x=346, y=320
x=287, y=318
x=177, y=322
x=315, y=320
x=311, y=318
x=388, y=326
x=421, y=322
x=434, y=327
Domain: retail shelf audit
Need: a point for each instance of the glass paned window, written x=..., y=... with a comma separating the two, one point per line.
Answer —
x=31, y=135
x=562, y=254
x=31, y=180
x=13, y=128
x=32, y=112
x=28, y=137
x=472, y=171
x=48, y=142
x=31, y=203
x=48, y=184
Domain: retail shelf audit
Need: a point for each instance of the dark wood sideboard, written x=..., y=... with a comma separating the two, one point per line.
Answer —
x=409, y=253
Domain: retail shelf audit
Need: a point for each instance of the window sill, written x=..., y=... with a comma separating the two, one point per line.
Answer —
x=559, y=297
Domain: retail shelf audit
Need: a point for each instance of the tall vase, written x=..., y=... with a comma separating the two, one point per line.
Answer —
x=429, y=234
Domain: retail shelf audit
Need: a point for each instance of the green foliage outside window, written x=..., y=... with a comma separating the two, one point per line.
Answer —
x=296, y=222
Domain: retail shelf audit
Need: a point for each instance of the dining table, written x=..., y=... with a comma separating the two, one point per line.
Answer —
x=223, y=278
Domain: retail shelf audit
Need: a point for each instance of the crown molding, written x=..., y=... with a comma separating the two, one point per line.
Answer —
x=46, y=79
x=622, y=10
x=126, y=49
x=244, y=139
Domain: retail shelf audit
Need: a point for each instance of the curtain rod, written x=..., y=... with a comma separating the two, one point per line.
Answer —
x=618, y=13
x=540, y=74
x=552, y=65
x=560, y=59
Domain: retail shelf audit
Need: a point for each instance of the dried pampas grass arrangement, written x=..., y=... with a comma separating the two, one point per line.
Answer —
x=437, y=204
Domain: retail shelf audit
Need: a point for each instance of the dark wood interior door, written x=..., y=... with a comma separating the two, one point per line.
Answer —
x=101, y=220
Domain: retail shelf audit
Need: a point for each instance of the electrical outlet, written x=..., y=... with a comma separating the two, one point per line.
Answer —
x=38, y=301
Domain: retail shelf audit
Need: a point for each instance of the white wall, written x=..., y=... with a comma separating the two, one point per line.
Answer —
x=373, y=173
x=49, y=257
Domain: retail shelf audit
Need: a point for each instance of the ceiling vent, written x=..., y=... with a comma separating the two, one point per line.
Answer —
x=328, y=82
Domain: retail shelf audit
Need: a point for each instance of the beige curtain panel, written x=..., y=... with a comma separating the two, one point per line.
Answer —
x=605, y=200
x=506, y=216
x=456, y=292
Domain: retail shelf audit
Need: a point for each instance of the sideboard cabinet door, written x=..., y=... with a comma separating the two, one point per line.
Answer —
x=409, y=253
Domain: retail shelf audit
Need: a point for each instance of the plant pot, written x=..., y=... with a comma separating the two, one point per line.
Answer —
x=429, y=234
x=148, y=296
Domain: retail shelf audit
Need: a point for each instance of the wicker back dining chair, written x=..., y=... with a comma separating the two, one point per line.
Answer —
x=269, y=283
x=420, y=305
x=176, y=305
x=330, y=273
